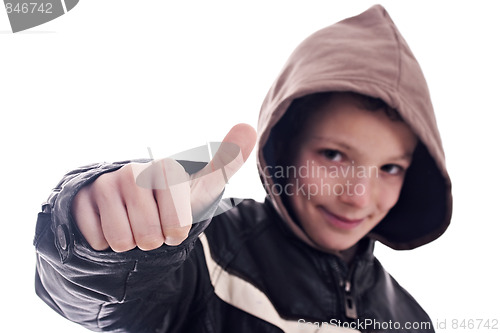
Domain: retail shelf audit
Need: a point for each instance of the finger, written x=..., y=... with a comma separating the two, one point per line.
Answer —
x=113, y=214
x=141, y=210
x=88, y=221
x=144, y=220
x=229, y=158
x=116, y=228
x=174, y=203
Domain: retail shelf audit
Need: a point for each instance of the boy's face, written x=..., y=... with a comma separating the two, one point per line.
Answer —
x=350, y=166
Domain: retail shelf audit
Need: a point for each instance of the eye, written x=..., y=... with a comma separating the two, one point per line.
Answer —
x=332, y=155
x=392, y=169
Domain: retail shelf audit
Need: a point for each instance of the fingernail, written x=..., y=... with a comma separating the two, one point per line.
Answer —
x=173, y=241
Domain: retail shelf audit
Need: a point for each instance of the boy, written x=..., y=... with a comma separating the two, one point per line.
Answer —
x=349, y=153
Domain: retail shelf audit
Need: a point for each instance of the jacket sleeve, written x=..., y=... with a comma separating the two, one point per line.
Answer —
x=106, y=291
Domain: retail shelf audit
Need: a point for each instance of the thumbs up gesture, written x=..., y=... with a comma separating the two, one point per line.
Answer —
x=145, y=205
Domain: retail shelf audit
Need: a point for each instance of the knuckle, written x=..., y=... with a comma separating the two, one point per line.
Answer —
x=81, y=199
x=175, y=171
x=103, y=190
x=103, y=181
x=126, y=175
x=115, y=180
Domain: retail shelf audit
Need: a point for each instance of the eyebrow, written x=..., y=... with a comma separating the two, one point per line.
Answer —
x=405, y=157
x=408, y=156
x=339, y=143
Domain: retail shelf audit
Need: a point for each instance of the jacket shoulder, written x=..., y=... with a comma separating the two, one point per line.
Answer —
x=237, y=220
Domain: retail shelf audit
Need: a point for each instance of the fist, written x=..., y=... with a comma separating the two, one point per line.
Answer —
x=145, y=205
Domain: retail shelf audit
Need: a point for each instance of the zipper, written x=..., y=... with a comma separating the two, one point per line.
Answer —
x=345, y=276
x=349, y=301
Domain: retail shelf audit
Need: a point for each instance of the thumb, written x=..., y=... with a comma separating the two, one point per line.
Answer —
x=239, y=140
x=229, y=158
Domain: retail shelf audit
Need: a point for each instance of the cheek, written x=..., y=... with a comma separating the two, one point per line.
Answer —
x=388, y=197
x=312, y=185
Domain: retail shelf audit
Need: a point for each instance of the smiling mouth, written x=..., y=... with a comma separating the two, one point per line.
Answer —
x=340, y=222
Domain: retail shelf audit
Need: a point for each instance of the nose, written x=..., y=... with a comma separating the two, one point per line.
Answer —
x=358, y=191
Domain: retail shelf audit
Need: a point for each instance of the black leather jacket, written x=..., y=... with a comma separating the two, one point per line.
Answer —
x=247, y=272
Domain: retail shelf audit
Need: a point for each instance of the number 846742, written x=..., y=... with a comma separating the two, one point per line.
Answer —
x=29, y=8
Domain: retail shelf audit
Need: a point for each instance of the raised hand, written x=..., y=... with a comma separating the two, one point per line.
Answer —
x=147, y=205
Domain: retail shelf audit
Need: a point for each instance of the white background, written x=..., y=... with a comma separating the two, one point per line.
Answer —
x=111, y=78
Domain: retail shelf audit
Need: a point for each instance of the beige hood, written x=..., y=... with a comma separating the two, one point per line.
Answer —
x=366, y=54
